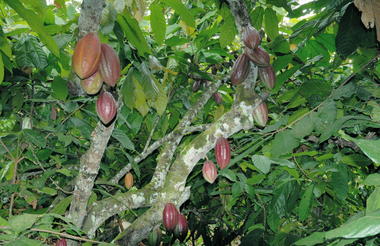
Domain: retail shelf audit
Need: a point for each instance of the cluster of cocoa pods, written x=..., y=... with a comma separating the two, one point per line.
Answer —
x=174, y=221
x=223, y=158
x=95, y=63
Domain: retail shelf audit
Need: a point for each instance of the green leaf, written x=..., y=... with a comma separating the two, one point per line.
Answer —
x=140, y=99
x=59, y=88
x=49, y=191
x=22, y=222
x=284, y=76
x=123, y=139
x=228, y=28
x=262, y=163
x=182, y=11
x=313, y=239
x=34, y=137
x=1, y=69
x=369, y=147
x=29, y=53
x=365, y=226
x=229, y=174
x=23, y=241
x=128, y=88
x=284, y=143
x=62, y=206
x=157, y=22
x=271, y=23
x=339, y=182
x=373, y=201
x=306, y=202
x=373, y=179
x=303, y=128
x=257, y=17
x=325, y=117
x=133, y=33
x=36, y=23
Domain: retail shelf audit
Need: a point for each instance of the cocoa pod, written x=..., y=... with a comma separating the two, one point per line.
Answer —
x=180, y=231
x=154, y=238
x=86, y=56
x=209, y=171
x=251, y=37
x=106, y=107
x=92, y=84
x=240, y=70
x=170, y=216
x=128, y=180
x=267, y=76
x=61, y=242
x=258, y=56
x=260, y=114
x=222, y=152
x=218, y=98
x=109, y=66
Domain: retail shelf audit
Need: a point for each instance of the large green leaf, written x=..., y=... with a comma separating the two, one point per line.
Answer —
x=22, y=222
x=35, y=23
x=262, y=163
x=271, y=23
x=59, y=88
x=368, y=146
x=373, y=201
x=257, y=17
x=306, y=202
x=284, y=143
x=157, y=22
x=123, y=139
x=29, y=53
x=1, y=69
x=182, y=11
x=228, y=28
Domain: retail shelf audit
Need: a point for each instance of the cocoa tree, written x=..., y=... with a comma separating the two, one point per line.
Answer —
x=243, y=124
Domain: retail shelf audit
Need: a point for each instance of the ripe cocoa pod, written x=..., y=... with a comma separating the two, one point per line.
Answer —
x=181, y=228
x=258, y=56
x=86, y=56
x=61, y=242
x=128, y=180
x=260, y=114
x=154, y=238
x=92, y=84
x=106, y=107
x=222, y=152
x=240, y=70
x=218, y=98
x=251, y=37
x=267, y=76
x=109, y=66
x=170, y=216
x=209, y=171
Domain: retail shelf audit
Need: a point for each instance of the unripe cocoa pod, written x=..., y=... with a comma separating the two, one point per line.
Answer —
x=260, y=114
x=217, y=97
x=106, y=107
x=92, y=84
x=267, y=76
x=181, y=228
x=258, y=56
x=61, y=242
x=170, y=216
x=154, y=238
x=109, y=66
x=86, y=56
x=222, y=152
x=128, y=180
x=240, y=70
x=209, y=171
x=251, y=37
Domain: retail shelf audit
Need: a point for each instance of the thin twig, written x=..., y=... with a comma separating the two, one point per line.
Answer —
x=66, y=235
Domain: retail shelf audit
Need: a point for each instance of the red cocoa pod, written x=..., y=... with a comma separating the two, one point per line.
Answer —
x=258, y=56
x=170, y=216
x=106, y=107
x=240, y=70
x=180, y=231
x=61, y=242
x=154, y=238
x=251, y=37
x=92, y=84
x=128, y=180
x=267, y=76
x=86, y=56
x=260, y=114
x=218, y=97
x=109, y=66
x=209, y=171
x=222, y=152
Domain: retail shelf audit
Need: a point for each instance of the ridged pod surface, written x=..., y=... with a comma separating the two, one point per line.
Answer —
x=109, y=66
x=209, y=171
x=61, y=242
x=86, y=56
x=222, y=152
x=154, y=238
x=170, y=216
x=181, y=228
x=106, y=107
x=251, y=37
x=92, y=84
x=267, y=76
x=258, y=56
x=260, y=114
x=240, y=70
x=128, y=180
